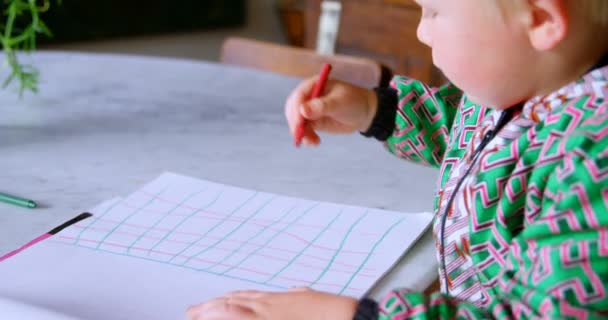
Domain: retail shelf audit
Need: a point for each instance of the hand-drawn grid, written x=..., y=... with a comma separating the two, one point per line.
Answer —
x=252, y=236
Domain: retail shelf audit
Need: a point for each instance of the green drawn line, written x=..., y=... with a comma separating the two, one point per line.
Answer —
x=370, y=253
x=261, y=231
x=165, y=215
x=307, y=246
x=176, y=265
x=170, y=232
x=278, y=233
x=226, y=236
x=95, y=219
x=129, y=216
x=339, y=248
x=214, y=227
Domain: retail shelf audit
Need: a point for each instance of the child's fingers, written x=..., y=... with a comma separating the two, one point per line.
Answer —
x=294, y=101
x=195, y=312
x=302, y=92
x=311, y=138
x=299, y=289
x=246, y=293
x=219, y=309
x=247, y=305
x=229, y=312
x=318, y=108
x=293, y=119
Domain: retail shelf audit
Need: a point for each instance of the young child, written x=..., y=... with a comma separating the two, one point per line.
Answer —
x=521, y=139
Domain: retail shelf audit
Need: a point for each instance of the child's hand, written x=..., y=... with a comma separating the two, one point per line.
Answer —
x=342, y=108
x=292, y=305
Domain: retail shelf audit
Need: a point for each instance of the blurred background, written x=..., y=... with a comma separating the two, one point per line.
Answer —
x=178, y=28
x=383, y=30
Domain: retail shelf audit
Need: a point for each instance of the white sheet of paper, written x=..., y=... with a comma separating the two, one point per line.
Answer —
x=10, y=309
x=179, y=241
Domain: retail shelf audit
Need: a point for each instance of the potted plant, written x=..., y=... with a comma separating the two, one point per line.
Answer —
x=21, y=25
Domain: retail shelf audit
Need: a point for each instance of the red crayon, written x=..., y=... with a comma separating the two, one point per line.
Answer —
x=316, y=92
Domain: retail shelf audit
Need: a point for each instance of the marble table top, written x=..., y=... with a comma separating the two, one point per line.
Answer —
x=103, y=125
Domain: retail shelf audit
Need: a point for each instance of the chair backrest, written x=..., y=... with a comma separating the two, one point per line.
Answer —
x=303, y=63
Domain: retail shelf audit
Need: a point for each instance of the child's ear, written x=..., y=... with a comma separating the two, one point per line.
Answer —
x=548, y=23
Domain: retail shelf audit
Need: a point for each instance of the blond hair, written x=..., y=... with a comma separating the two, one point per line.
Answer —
x=594, y=10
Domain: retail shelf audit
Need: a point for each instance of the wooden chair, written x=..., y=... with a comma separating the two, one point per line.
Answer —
x=303, y=63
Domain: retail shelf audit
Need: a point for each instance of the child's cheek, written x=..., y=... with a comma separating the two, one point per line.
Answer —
x=453, y=65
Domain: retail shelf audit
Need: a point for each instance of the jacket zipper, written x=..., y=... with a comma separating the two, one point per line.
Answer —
x=505, y=117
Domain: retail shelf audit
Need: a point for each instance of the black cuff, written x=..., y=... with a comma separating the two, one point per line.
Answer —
x=367, y=309
x=383, y=123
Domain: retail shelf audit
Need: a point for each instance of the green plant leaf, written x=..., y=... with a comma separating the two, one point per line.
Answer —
x=22, y=37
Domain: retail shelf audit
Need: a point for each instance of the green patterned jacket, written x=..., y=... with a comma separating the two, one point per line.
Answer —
x=526, y=229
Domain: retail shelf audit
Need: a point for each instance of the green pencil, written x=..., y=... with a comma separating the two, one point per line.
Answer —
x=17, y=201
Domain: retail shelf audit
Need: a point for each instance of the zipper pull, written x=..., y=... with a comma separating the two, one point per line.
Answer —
x=486, y=139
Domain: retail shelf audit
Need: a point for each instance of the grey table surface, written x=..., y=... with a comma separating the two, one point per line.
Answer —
x=104, y=125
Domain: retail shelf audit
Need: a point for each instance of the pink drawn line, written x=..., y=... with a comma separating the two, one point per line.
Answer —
x=224, y=214
x=25, y=246
x=211, y=237
x=198, y=259
x=198, y=235
x=293, y=235
x=229, y=250
x=160, y=252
